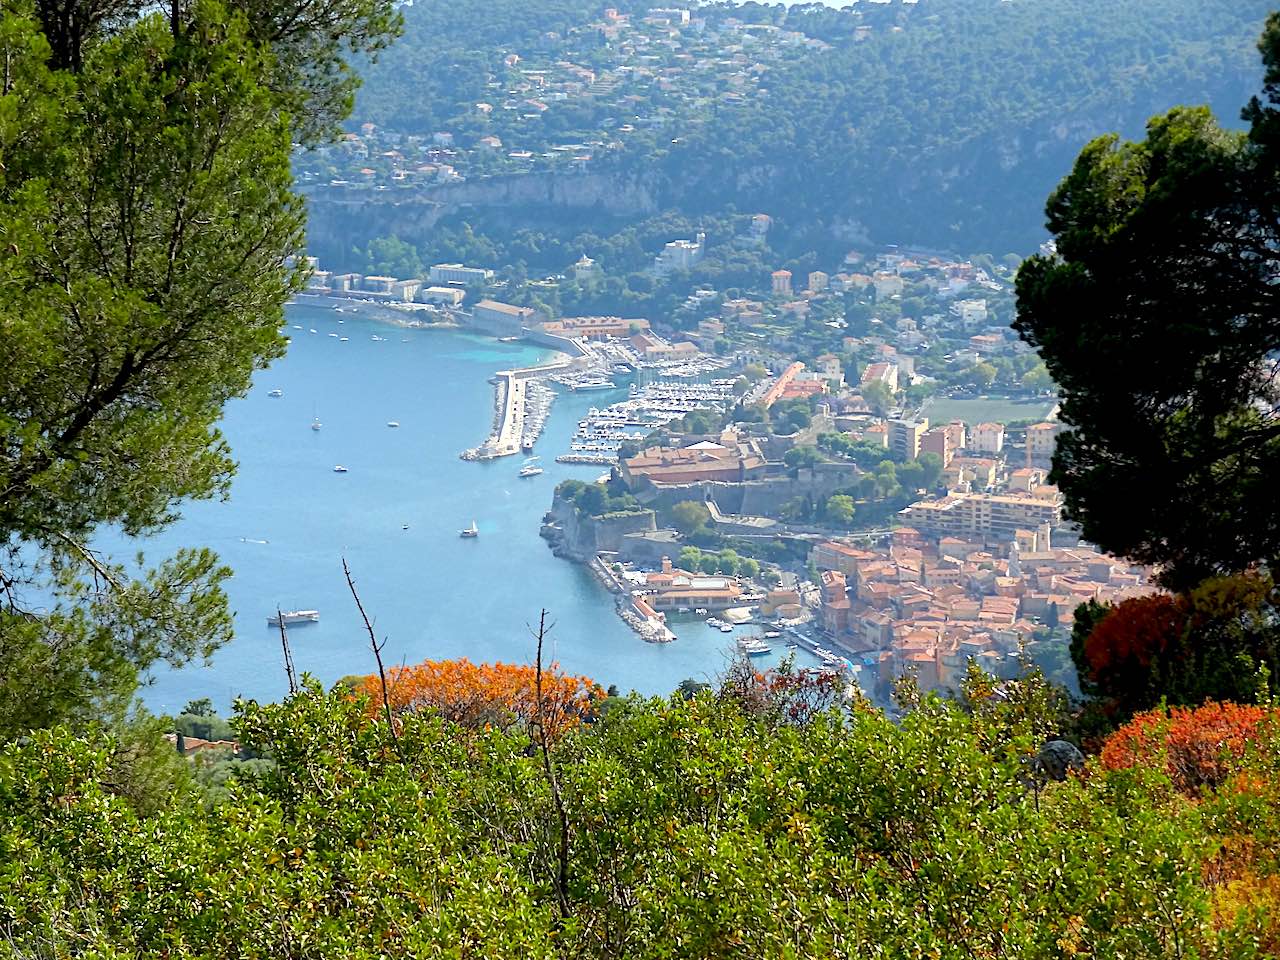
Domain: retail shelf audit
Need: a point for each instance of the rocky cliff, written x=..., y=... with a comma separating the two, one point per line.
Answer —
x=341, y=219
x=576, y=536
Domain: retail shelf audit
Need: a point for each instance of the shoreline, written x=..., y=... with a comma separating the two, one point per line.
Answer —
x=509, y=434
x=382, y=312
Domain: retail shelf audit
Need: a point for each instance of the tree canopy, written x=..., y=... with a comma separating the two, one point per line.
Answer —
x=1157, y=318
x=147, y=221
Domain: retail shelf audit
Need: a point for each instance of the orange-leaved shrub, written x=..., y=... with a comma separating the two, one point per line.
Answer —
x=1224, y=759
x=1196, y=747
x=499, y=695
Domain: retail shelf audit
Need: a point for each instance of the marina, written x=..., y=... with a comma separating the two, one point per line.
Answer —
x=601, y=433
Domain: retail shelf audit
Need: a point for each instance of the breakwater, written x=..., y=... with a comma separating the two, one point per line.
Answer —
x=522, y=400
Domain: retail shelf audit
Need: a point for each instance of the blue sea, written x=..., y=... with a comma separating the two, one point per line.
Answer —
x=290, y=520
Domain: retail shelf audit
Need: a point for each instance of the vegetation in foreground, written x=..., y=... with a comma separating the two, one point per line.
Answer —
x=758, y=820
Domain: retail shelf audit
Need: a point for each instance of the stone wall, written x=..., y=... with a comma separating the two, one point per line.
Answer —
x=578, y=537
x=758, y=498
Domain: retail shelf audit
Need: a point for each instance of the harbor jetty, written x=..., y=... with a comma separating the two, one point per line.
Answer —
x=522, y=403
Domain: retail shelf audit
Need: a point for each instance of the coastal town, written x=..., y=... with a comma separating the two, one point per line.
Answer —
x=856, y=482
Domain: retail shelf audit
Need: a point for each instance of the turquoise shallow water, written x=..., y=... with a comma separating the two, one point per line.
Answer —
x=432, y=594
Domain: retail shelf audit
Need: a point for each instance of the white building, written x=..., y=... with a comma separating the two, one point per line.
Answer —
x=457, y=273
x=970, y=311
x=987, y=438
x=680, y=254
x=586, y=270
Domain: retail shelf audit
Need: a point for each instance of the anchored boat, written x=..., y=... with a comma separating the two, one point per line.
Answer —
x=294, y=616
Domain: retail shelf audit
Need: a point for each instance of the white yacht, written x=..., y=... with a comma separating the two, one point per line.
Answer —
x=470, y=533
x=294, y=616
x=339, y=469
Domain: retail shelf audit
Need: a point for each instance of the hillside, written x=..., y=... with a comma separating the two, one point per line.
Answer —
x=943, y=123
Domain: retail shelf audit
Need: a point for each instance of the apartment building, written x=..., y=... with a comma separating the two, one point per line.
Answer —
x=993, y=518
x=905, y=437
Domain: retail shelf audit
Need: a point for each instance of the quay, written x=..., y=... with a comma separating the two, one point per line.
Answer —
x=521, y=405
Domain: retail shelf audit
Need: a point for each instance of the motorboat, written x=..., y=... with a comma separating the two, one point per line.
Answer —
x=530, y=471
x=470, y=533
x=294, y=616
x=276, y=393
x=316, y=424
x=340, y=469
x=393, y=423
x=754, y=646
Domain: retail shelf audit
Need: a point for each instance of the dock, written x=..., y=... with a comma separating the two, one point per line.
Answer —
x=522, y=403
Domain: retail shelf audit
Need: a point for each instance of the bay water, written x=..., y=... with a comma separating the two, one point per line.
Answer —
x=290, y=520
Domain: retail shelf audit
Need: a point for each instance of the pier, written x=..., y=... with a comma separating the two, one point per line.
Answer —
x=521, y=405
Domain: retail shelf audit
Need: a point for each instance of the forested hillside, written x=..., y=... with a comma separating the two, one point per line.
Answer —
x=943, y=123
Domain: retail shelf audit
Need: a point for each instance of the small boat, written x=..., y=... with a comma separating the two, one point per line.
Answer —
x=772, y=634
x=725, y=628
x=297, y=326
x=404, y=526
x=530, y=471
x=343, y=339
x=470, y=533
x=294, y=616
x=316, y=424
x=393, y=423
x=334, y=335
x=276, y=393
x=753, y=646
x=312, y=330
x=340, y=469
